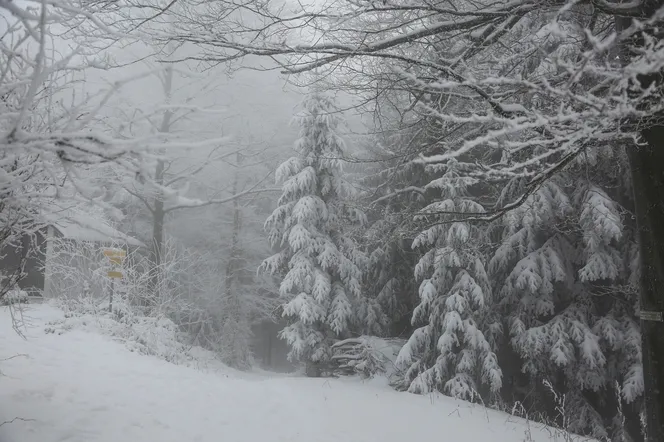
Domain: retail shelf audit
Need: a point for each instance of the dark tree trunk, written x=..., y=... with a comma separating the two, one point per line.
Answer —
x=647, y=165
x=268, y=361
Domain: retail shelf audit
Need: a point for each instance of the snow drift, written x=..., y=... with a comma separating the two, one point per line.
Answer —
x=82, y=386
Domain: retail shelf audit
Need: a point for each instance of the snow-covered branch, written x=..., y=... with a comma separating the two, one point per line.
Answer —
x=179, y=202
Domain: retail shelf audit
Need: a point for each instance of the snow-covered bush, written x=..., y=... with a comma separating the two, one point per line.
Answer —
x=188, y=312
x=14, y=296
x=367, y=356
x=78, y=268
x=79, y=281
x=156, y=335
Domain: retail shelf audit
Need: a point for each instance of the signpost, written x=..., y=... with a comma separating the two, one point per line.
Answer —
x=116, y=257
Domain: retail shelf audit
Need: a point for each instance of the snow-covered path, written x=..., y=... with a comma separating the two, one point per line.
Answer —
x=84, y=387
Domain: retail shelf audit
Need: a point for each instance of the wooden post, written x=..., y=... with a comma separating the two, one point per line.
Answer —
x=269, y=349
x=110, y=302
x=116, y=258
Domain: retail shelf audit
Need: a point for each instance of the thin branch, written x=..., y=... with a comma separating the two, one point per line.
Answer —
x=141, y=199
x=20, y=355
x=200, y=203
x=16, y=419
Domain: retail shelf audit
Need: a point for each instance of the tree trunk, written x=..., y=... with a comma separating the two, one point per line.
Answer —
x=234, y=255
x=647, y=166
x=159, y=214
x=268, y=361
x=233, y=312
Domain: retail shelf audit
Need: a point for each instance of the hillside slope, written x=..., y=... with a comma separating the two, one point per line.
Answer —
x=81, y=386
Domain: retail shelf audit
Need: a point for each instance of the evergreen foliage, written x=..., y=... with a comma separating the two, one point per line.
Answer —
x=449, y=351
x=319, y=263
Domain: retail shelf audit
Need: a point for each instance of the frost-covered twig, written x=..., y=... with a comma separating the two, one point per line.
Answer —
x=21, y=419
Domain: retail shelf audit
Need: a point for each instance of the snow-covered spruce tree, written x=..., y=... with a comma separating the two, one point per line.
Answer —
x=449, y=351
x=317, y=261
x=388, y=285
x=565, y=278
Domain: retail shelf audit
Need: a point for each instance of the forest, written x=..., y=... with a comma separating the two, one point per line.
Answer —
x=462, y=196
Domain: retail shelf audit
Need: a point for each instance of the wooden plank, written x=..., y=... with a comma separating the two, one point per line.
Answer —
x=115, y=253
x=651, y=316
x=114, y=274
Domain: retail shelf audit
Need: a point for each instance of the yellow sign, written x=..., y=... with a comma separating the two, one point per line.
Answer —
x=116, y=256
x=115, y=274
x=113, y=253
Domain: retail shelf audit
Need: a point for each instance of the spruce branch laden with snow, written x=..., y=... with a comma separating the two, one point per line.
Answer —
x=317, y=262
x=562, y=272
x=449, y=350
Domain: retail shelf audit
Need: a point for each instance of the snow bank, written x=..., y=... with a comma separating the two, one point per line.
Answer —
x=154, y=336
x=81, y=386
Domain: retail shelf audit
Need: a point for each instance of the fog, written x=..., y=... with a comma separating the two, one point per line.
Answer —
x=208, y=205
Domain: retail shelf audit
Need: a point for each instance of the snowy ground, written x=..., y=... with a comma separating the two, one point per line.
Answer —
x=81, y=386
